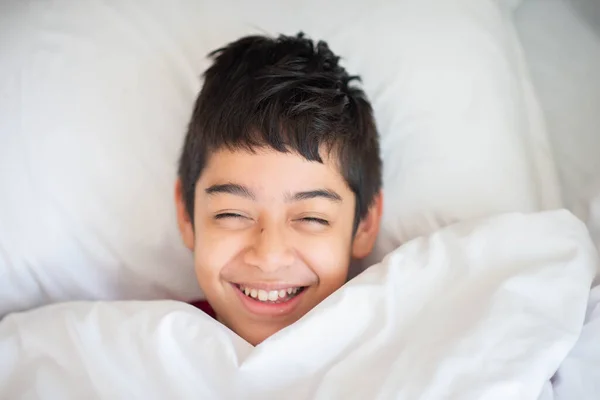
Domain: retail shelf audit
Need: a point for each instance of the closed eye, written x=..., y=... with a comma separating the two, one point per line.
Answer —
x=315, y=220
x=230, y=215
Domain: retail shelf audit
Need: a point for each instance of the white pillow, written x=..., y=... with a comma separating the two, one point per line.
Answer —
x=588, y=10
x=563, y=52
x=95, y=98
x=463, y=135
x=489, y=309
x=510, y=4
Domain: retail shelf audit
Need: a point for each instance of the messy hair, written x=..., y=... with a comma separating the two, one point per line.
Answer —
x=288, y=94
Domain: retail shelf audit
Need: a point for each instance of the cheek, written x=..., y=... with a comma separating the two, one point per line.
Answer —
x=329, y=258
x=213, y=252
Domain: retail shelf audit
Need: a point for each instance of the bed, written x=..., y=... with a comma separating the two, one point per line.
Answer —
x=560, y=39
x=484, y=282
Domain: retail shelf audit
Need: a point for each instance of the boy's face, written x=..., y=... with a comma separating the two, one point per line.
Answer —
x=272, y=237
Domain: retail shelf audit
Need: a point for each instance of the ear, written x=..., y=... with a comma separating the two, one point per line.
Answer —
x=368, y=228
x=186, y=228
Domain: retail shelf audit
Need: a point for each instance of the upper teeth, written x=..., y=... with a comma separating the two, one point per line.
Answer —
x=271, y=295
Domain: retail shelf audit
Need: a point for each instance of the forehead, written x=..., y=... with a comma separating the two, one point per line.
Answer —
x=271, y=169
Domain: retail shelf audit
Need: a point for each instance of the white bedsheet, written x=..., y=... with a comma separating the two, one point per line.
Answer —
x=487, y=309
x=579, y=374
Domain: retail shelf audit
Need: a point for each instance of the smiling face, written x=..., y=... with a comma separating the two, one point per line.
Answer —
x=272, y=237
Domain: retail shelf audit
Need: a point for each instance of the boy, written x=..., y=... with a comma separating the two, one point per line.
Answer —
x=279, y=181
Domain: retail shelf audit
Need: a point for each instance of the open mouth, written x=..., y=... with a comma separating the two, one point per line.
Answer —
x=271, y=296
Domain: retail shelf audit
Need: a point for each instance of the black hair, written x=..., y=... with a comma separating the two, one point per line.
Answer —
x=288, y=94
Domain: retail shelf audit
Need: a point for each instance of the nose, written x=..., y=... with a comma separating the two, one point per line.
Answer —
x=270, y=251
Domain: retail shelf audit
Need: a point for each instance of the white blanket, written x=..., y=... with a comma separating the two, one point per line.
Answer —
x=480, y=310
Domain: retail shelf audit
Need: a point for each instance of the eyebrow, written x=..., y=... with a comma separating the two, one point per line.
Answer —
x=231, y=188
x=314, y=194
x=243, y=191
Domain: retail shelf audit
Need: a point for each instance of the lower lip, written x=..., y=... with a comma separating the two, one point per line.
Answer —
x=268, y=309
